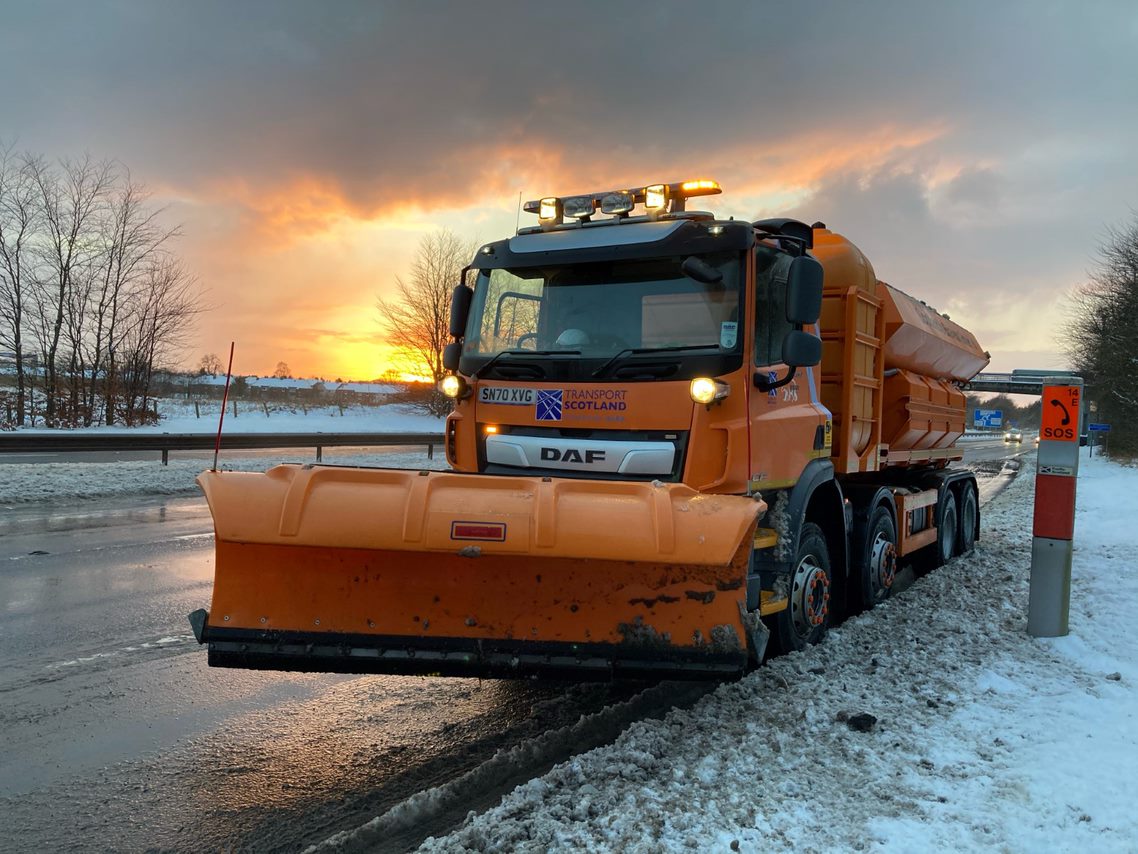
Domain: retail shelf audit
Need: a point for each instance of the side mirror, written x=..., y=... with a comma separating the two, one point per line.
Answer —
x=460, y=310
x=452, y=352
x=701, y=271
x=804, y=292
x=801, y=349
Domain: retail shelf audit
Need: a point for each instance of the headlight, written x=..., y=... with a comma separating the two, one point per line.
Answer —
x=706, y=390
x=656, y=197
x=453, y=386
x=579, y=206
x=617, y=203
x=549, y=212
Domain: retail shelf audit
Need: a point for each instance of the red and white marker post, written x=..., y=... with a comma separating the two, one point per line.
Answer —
x=1053, y=527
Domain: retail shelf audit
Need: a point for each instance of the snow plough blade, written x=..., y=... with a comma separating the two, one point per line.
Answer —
x=338, y=569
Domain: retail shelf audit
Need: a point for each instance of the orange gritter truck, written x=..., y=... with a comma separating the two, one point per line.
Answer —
x=675, y=439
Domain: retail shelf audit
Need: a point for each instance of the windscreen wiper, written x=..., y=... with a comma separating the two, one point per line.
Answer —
x=632, y=351
x=482, y=370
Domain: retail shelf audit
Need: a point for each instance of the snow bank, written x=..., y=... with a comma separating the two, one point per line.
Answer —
x=980, y=737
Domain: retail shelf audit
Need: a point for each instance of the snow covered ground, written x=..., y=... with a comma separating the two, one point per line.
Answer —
x=181, y=417
x=981, y=738
x=28, y=483
x=25, y=483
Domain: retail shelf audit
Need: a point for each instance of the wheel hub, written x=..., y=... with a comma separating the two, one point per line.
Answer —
x=883, y=561
x=810, y=602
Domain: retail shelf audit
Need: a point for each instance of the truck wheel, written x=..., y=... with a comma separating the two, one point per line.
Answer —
x=946, y=533
x=937, y=554
x=807, y=617
x=969, y=511
x=879, y=562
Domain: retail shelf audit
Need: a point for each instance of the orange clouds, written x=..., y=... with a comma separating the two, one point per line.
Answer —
x=306, y=204
x=297, y=273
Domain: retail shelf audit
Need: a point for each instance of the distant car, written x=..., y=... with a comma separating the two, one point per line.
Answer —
x=1036, y=440
x=1014, y=436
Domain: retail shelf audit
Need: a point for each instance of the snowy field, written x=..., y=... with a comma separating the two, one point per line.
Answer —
x=181, y=417
x=31, y=482
x=979, y=737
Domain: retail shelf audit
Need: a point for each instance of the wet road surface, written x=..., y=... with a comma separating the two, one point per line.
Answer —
x=117, y=736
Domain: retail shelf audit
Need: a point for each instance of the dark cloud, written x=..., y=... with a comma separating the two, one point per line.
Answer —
x=379, y=100
x=974, y=149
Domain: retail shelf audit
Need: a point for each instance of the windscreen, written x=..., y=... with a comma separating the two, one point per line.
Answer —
x=600, y=309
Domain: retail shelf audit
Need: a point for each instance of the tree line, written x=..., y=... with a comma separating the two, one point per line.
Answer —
x=1102, y=336
x=92, y=298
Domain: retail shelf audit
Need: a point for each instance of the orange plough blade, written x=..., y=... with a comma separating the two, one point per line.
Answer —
x=340, y=569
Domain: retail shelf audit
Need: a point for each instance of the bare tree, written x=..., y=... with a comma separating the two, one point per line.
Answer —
x=1102, y=335
x=210, y=364
x=19, y=222
x=155, y=331
x=417, y=321
x=131, y=240
x=70, y=202
x=282, y=371
x=89, y=282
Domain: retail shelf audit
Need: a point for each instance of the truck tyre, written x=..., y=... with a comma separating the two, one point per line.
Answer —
x=969, y=511
x=937, y=554
x=946, y=530
x=807, y=617
x=879, y=558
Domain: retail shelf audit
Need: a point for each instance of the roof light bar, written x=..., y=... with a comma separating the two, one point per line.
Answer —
x=658, y=199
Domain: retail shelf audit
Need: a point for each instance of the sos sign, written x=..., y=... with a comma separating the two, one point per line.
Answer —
x=1060, y=422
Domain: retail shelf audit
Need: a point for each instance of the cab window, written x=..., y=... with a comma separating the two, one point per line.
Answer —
x=771, y=326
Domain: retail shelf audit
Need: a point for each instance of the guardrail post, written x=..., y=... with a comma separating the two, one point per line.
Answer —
x=319, y=454
x=1053, y=526
x=165, y=456
x=430, y=452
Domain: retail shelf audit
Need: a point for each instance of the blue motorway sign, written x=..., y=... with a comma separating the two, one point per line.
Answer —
x=990, y=418
x=1101, y=428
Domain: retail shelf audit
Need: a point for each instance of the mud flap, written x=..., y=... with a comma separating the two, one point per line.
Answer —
x=374, y=570
x=757, y=633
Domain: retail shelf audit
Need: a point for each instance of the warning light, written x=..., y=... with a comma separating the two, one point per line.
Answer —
x=702, y=187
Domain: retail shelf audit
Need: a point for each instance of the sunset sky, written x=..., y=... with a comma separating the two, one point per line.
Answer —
x=975, y=151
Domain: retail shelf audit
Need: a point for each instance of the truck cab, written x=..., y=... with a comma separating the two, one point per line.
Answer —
x=640, y=350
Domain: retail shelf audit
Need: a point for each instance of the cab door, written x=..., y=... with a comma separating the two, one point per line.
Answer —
x=789, y=426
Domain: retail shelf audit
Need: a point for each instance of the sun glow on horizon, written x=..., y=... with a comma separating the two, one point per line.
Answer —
x=415, y=378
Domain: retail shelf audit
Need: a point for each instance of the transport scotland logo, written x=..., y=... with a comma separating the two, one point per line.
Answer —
x=549, y=405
